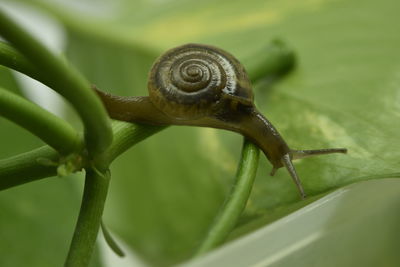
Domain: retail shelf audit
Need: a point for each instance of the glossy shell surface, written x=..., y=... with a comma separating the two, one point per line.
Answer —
x=188, y=81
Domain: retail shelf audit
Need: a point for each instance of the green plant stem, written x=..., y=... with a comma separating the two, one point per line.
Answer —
x=26, y=167
x=12, y=59
x=66, y=81
x=275, y=59
x=87, y=227
x=236, y=200
x=110, y=240
x=127, y=135
x=95, y=192
x=51, y=129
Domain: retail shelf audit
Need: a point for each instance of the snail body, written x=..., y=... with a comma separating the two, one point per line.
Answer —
x=201, y=85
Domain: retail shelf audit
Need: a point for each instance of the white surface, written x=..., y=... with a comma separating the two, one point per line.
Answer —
x=354, y=226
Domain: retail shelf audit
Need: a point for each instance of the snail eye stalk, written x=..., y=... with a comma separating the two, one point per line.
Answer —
x=299, y=154
x=287, y=162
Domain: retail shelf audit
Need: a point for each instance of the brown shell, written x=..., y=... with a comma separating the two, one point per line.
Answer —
x=188, y=81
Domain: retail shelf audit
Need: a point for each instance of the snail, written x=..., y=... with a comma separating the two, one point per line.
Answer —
x=201, y=85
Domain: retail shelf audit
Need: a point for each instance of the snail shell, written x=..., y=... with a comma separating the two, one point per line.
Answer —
x=188, y=81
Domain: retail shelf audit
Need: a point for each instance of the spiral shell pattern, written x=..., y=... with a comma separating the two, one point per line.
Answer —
x=187, y=81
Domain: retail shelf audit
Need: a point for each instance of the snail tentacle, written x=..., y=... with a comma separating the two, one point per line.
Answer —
x=300, y=154
x=287, y=162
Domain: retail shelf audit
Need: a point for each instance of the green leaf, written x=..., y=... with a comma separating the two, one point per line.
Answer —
x=344, y=93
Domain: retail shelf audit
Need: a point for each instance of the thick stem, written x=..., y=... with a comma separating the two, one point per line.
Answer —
x=12, y=59
x=26, y=167
x=87, y=227
x=66, y=81
x=33, y=165
x=127, y=135
x=235, y=201
x=51, y=129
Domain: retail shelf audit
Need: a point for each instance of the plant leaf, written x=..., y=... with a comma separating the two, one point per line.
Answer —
x=344, y=93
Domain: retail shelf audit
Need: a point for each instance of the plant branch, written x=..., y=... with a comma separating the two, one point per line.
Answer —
x=111, y=241
x=12, y=59
x=66, y=81
x=51, y=129
x=236, y=199
x=275, y=59
x=95, y=192
x=87, y=227
x=31, y=166
x=127, y=135
x=26, y=167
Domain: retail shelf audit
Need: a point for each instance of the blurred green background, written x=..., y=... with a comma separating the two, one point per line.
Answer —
x=165, y=192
